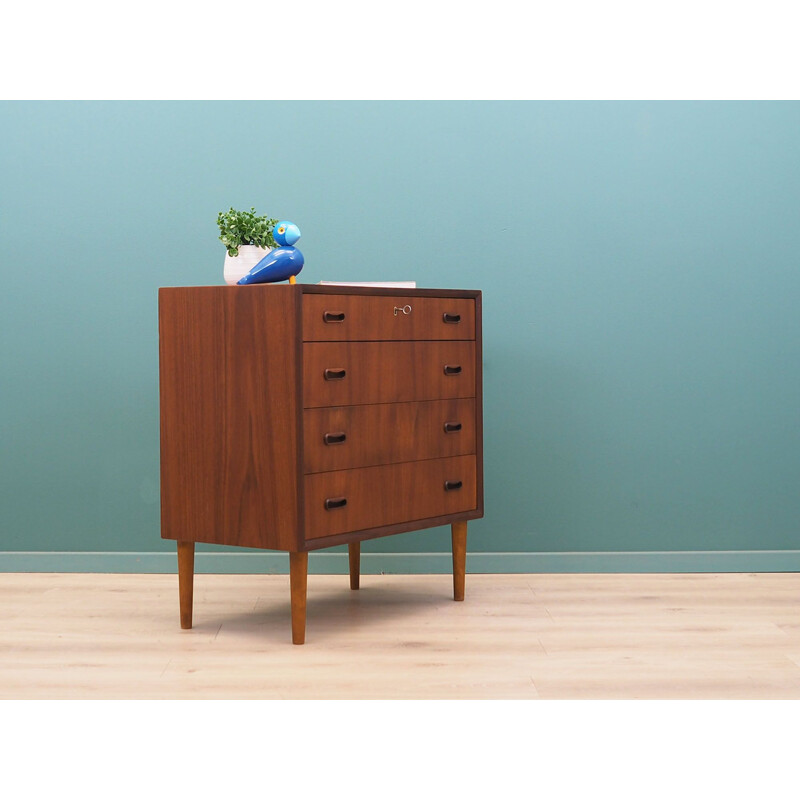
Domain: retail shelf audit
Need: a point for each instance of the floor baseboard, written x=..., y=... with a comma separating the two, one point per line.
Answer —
x=272, y=563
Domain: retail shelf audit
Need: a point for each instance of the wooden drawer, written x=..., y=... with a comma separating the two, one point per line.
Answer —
x=344, y=437
x=346, y=317
x=356, y=499
x=353, y=373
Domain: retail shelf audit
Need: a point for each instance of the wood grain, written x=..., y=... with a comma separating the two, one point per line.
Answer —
x=459, y=542
x=729, y=637
x=354, y=554
x=390, y=530
x=186, y=581
x=389, y=494
x=298, y=581
x=387, y=433
x=229, y=443
x=479, y=399
x=386, y=372
x=374, y=317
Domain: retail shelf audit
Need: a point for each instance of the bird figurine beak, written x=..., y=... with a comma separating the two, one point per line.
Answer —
x=292, y=234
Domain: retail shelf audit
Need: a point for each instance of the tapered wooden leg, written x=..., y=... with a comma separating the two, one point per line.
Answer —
x=298, y=580
x=186, y=581
x=355, y=563
x=459, y=558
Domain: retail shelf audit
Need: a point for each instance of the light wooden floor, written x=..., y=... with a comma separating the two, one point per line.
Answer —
x=402, y=636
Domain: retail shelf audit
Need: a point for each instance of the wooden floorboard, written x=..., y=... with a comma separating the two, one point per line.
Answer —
x=731, y=636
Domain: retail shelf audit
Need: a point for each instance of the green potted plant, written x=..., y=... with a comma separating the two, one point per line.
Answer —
x=247, y=239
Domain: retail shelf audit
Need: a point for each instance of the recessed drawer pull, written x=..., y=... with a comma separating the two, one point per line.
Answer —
x=450, y=486
x=337, y=374
x=452, y=318
x=335, y=438
x=333, y=316
x=452, y=427
x=452, y=369
x=335, y=502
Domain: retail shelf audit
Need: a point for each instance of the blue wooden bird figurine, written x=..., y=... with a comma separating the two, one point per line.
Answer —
x=281, y=263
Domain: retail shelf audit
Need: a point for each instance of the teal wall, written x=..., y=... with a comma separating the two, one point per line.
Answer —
x=640, y=264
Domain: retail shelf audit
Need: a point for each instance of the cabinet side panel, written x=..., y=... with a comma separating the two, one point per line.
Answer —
x=228, y=415
x=479, y=398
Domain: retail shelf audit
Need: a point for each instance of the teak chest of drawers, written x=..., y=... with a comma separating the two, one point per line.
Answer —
x=297, y=417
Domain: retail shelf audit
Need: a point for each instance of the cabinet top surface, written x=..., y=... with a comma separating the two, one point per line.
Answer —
x=310, y=288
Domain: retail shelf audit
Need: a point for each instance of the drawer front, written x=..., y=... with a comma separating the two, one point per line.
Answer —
x=355, y=499
x=335, y=317
x=345, y=437
x=354, y=373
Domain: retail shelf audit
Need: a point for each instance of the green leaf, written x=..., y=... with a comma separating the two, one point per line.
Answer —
x=245, y=227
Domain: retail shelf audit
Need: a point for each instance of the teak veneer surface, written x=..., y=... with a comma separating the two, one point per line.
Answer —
x=229, y=408
x=386, y=372
x=384, y=495
x=234, y=372
x=382, y=316
x=387, y=433
x=295, y=418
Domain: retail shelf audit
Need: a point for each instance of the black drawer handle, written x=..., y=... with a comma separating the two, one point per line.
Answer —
x=333, y=316
x=335, y=502
x=452, y=318
x=452, y=427
x=452, y=369
x=335, y=438
x=334, y=374
x=450, y=486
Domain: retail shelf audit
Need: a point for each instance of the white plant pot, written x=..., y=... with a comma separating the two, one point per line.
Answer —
x=237, y=267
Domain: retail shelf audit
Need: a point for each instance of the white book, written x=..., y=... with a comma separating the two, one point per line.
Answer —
x=381, y=284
